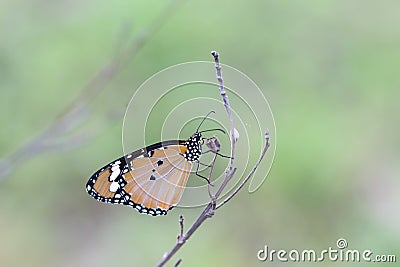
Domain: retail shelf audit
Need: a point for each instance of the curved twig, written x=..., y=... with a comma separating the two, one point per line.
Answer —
x=245, y=180
x=209, y=210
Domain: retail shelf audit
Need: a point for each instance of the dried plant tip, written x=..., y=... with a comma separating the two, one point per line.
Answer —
x=213, y=144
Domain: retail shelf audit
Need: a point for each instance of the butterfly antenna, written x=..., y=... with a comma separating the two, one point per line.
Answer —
x=216, y=129
x=208, y=114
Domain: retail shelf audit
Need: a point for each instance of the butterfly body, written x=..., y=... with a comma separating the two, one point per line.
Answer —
x=151, y=180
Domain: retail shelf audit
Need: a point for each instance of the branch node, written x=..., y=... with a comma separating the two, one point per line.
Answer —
x=180, y=239
x=181, y=219
x=210, y=212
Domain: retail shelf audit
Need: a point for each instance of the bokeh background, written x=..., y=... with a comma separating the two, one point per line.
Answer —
x=330, y=71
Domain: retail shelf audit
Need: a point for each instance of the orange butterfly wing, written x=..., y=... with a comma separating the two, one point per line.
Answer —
x=151, y=180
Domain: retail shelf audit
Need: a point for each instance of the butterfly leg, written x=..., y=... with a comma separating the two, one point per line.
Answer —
x=203, y=164
x=216, y=153
x=201, y=176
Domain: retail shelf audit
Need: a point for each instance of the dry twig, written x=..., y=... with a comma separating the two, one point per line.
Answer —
x=57, y=134
x=208, y=212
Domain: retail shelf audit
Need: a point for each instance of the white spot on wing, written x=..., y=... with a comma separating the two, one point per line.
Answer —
x=114, y=175
x=114, y=187
x=114, y=168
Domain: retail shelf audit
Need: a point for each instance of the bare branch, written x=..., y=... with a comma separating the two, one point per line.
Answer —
x=209, y=210
x=250, y=173
x=76, y=113
x=212, y=197
x=226, y=104
x=181, y=219
x=230, y=170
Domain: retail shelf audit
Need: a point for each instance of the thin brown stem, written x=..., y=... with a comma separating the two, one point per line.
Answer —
x=237, y=189
x=207, y=213
x=209, y=210
x=225, y=98
x=209, y=177
x=76, y=113
x=181, y=219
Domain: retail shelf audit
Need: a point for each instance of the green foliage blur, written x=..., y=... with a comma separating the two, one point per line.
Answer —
x=330, y=71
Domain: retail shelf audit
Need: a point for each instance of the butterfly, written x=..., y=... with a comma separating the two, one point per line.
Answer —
x=151, y=179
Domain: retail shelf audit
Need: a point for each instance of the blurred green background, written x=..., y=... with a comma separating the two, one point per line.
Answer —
x=330, y=70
